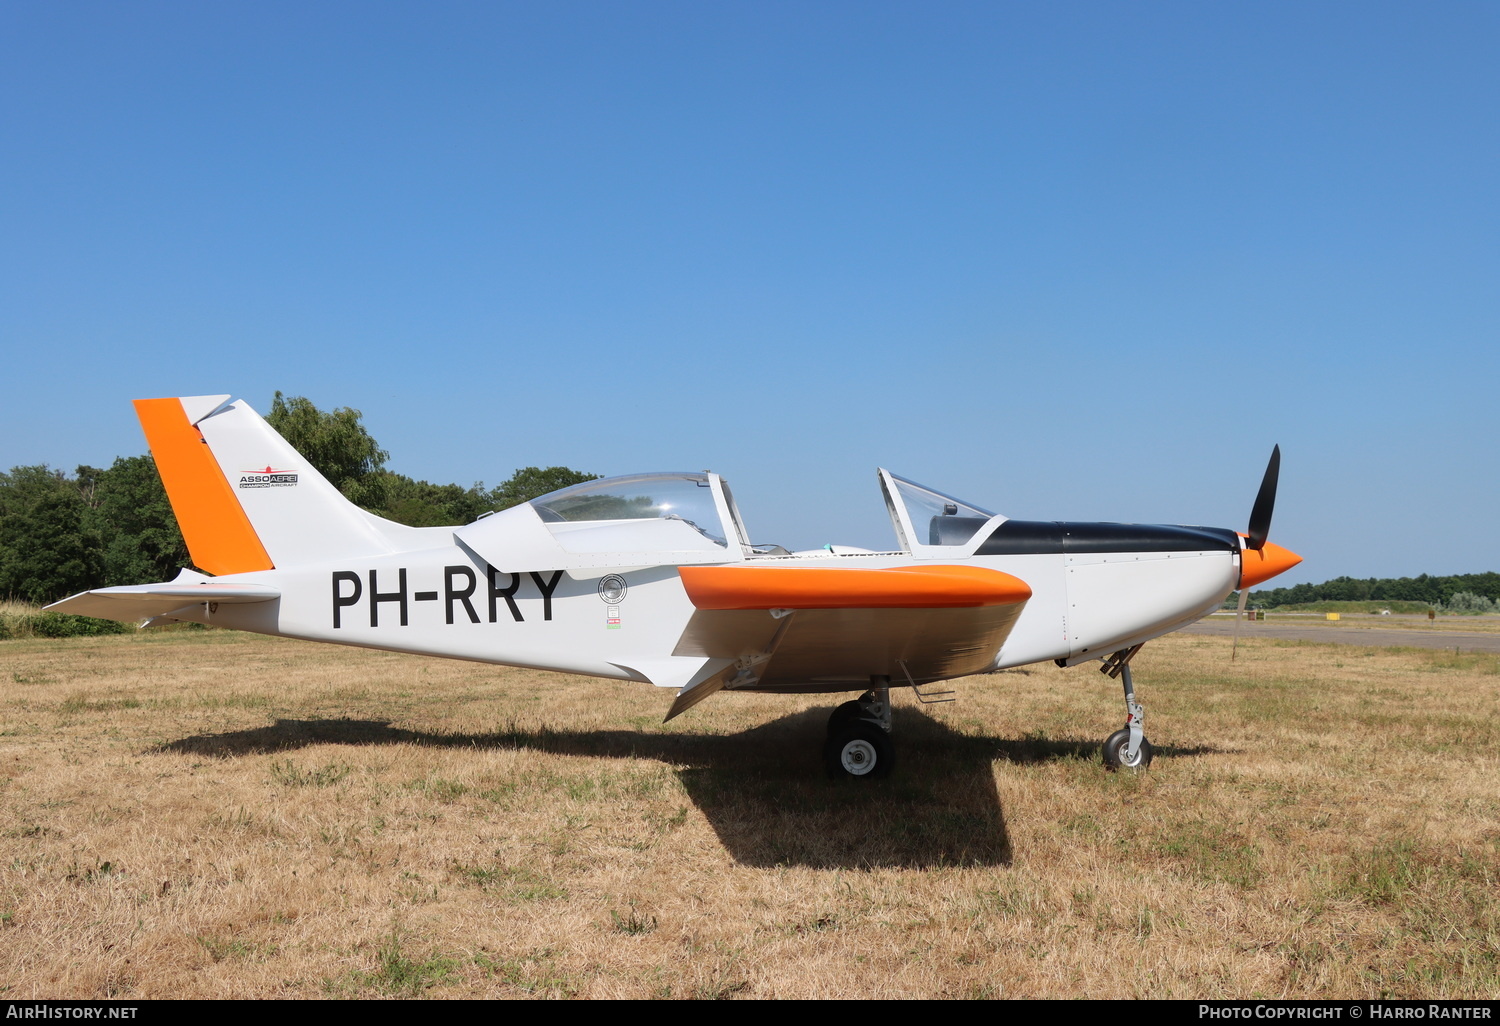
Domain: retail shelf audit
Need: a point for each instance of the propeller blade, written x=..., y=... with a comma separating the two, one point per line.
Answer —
x=1265, y=504
x=1239, y=614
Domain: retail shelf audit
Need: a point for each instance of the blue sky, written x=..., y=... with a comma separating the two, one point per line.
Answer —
x=1068, y=261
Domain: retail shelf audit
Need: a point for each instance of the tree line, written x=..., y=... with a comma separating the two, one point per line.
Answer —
x=64, y=533
x=1435, y=591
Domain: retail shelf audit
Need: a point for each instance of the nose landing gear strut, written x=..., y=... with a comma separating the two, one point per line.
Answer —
x=1126, y=748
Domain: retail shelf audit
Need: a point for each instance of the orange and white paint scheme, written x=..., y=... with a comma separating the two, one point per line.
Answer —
x=653, y=578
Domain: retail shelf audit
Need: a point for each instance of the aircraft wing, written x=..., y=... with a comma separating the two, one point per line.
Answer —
x=831, y=629
x=143, y=601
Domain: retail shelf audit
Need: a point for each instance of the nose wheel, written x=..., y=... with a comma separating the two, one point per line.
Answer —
x=1117, y=754
x=859, y=741
x=1126, y=748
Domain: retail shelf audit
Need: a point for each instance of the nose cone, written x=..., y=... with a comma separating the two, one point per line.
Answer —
x=1265, y=564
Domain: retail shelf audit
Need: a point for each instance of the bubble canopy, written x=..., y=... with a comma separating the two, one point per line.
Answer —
x=662, y=496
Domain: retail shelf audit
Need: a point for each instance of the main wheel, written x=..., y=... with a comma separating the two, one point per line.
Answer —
x=844, y=716
x=860, y=750
x=1118, y=744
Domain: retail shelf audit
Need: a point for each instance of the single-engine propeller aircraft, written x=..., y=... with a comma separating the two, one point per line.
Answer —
x=652, y=577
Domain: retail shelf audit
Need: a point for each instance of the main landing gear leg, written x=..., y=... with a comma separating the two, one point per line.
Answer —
x=1127, y=748
x=859, y=742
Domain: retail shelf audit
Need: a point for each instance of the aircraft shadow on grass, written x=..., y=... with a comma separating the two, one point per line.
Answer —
x=763, y=790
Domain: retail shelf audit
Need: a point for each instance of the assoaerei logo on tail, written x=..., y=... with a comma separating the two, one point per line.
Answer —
x=267, y=477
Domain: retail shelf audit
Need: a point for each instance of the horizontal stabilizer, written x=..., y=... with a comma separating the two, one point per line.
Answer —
x=142, y=601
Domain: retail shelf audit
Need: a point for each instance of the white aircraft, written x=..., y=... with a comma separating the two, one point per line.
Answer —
x=652, y=577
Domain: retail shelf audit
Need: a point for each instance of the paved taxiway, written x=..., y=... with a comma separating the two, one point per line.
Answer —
x=1361, y=630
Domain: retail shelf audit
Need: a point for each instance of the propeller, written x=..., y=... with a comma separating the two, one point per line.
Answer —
x=1260, y=527
x=1265, y=503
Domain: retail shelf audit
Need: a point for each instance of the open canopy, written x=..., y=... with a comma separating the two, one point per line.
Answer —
x=925, y=517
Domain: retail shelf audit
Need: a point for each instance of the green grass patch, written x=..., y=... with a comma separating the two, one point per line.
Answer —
x=397, y=973
x=1478, y=662
x=290, y=774
x=531, y=974
x=516, y=882
x=224, y=948
x=57, y=625
x=445, y=791
x=81, y=702
x=1217, y=853
x=633, y=923
x=91, y=874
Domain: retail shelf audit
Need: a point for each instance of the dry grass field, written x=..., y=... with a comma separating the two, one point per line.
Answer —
x=206, y=814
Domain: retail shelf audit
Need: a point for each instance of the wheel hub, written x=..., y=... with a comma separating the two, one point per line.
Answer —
x=858, y=757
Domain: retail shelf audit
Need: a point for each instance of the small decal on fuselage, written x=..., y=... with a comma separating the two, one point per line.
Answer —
x=612, y=590
x=464, y=596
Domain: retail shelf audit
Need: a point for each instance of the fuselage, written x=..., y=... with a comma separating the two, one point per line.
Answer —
x=449, y=601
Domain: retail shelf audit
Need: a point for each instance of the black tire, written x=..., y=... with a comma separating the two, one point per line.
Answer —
x=845, y=715
x=862, y=751
x=1115, y=747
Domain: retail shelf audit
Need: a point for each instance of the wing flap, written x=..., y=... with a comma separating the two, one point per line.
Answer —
x=842, y=646
x=691, y=696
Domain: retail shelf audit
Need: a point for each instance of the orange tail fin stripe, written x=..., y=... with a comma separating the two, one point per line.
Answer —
x=903, y=587
x=217, y=532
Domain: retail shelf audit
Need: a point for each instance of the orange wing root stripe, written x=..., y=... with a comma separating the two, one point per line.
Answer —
x=217, y=532
x=903, y=587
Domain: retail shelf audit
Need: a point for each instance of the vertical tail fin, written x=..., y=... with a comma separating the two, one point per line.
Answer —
x=245, y=499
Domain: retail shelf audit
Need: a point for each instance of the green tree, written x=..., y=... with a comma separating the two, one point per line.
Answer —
x=128, y=510
x=529, y=482
x=46, y=549
x=423, y=504
x=336, y=444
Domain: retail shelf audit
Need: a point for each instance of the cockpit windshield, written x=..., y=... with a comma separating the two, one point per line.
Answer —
x=923, y=502
x=687, y=498
x=926, y=516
